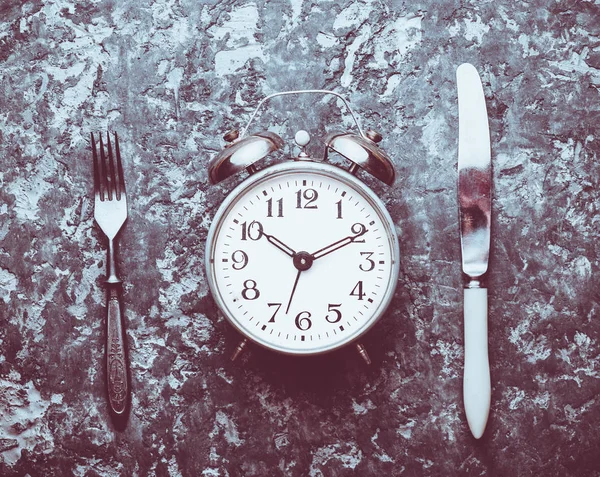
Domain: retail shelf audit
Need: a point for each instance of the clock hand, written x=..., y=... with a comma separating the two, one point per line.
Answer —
x=279, y=244
x=302, y=261
x=293, y=291
x=340, y=243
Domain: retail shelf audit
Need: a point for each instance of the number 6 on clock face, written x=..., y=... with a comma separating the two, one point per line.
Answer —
x=302, y=258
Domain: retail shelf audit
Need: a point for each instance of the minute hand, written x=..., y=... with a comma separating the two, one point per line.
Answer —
x=339, y=244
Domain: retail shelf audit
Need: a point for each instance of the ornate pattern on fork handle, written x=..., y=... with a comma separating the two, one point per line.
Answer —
x=116, y=368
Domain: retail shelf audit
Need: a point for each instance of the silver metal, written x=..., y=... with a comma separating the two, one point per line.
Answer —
x=374, y=135
x=242, y=154
x=303, y=91
x=110, y=200
x=239, y=348
x=231, y=135
x=474, y=174
x=302, y=139
x=325, y=170
x=362, y=351
x=364, y=153
x=473, y=283
x=110, y=213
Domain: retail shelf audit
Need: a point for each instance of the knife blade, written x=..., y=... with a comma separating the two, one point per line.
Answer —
x=475, y=206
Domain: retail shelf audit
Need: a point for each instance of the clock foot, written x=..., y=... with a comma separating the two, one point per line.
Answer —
x=251, y=169
x=363, y=353
x=353, y=169
x=239, y=349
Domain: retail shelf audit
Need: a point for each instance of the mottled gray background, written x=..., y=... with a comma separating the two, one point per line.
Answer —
x=171, y=77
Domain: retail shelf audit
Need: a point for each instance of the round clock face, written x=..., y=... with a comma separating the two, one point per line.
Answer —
x=302, y=258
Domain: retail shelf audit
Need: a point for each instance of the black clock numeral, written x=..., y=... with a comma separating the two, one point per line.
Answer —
x=339, y=209
x=303, y=322
x=278, y=305
x=253, y=231
x=279, y=208
x=239, y=259
x=250, y=292
x=358, y=229
x=310, y=195
x=338, y=313
x=357, y=291
x=370, y=262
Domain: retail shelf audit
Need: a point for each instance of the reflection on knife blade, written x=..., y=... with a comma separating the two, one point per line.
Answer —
x=475, y=218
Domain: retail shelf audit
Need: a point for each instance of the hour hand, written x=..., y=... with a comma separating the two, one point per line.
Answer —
x=280, y=245
x=358, y=229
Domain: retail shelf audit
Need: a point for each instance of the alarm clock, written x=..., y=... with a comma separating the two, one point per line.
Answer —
x=302, y=257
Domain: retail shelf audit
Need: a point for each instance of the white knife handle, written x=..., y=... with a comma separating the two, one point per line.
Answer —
x=476, y=384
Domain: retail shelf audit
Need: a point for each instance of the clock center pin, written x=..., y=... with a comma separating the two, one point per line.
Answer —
x=303, y=261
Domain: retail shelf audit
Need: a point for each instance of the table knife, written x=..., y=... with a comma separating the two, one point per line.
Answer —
x=475, y=204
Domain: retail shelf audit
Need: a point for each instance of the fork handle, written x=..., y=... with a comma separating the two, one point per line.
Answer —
x=116, y=369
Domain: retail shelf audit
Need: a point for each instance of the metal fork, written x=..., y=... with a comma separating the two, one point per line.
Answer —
x=110, y=212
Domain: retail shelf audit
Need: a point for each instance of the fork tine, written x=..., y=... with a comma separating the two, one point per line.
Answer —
x=111, y=169
x=96, y=170
x=119, y=165
x=107, y=195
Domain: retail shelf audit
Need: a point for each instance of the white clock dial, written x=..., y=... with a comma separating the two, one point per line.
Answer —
x=302, y=258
